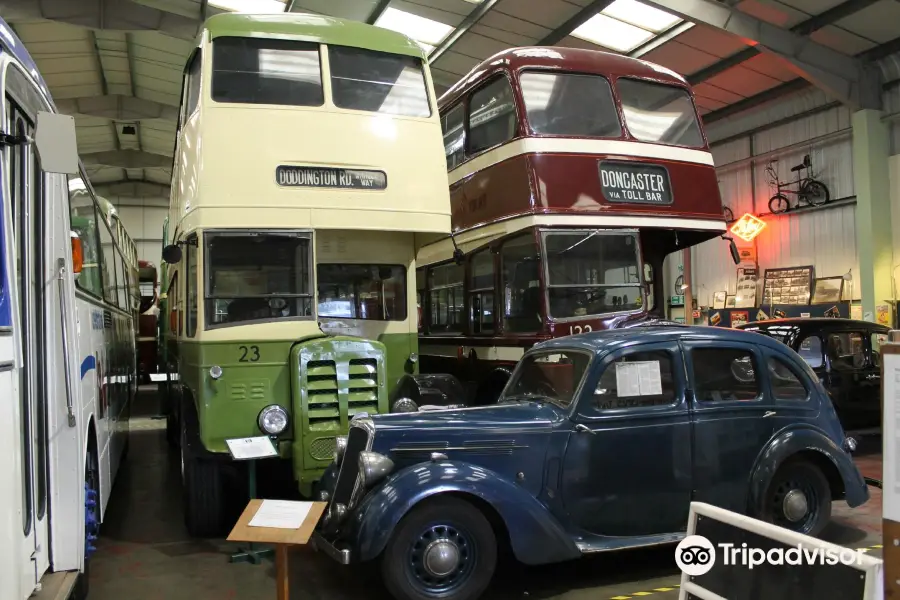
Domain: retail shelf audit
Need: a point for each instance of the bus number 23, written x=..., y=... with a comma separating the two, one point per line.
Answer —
x=576, y=329
x=249, y=353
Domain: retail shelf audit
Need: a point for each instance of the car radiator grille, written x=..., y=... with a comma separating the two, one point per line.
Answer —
x=357, y=440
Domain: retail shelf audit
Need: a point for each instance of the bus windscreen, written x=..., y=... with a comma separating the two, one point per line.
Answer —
x=659, y=113
x=592, y=273
x=378, y=82
x=568, y=104
x=266, y=71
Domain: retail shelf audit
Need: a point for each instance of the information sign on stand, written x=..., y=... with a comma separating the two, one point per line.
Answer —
x=890, y=435
x=281, y=523
x=251, y=449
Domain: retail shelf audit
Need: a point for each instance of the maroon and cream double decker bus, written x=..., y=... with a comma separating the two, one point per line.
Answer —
x=573, y=174
x=147, y=320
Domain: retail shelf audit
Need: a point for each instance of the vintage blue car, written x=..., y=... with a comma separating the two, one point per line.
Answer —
x=599, y=442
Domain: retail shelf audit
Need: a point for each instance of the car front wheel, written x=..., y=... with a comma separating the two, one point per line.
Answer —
x=445, y=549
x=799, y=498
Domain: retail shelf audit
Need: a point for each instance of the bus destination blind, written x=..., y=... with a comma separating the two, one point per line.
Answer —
x=329, y=177
x=635, y=183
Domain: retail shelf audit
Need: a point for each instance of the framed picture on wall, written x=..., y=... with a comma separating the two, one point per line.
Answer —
x=729, y=301
x=828, y=290
x=788, y=286
x=719, y=299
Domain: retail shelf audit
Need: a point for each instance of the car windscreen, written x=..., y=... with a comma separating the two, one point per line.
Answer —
x=569, y=104
x=266, y=71
x=552, y=375
x=378, y=82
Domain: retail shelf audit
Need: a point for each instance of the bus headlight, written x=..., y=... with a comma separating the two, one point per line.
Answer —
x=272, y=420
x=374, y=467
x=404, y=405
x=340, y=444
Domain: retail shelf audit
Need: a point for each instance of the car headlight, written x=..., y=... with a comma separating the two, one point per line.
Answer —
x=374, y=467
x=272, y=420
x=405, y=405
x=340, y=444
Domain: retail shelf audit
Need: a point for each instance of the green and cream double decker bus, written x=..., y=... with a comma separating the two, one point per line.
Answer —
x=309, y=168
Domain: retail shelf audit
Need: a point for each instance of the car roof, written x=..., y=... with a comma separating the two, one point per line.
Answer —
x=597, y=342
x=815, y=323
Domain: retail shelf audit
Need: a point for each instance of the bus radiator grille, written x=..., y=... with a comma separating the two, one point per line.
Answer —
x=322, y=448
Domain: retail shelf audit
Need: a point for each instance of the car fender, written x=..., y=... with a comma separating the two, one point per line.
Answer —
x=789, y=443
x=434, y=389
x=535, y=534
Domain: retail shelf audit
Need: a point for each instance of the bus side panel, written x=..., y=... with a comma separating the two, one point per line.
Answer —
x=13, y=547
x=66, y=458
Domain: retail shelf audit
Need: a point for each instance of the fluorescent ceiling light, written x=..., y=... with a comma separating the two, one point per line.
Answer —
x=610, y=33
x=425, y=31
x=250, y=6
x=637, y=13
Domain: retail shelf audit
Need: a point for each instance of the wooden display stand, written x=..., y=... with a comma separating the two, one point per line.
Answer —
x=282, y=539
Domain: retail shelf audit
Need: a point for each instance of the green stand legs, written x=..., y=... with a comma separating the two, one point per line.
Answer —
x=252, y=553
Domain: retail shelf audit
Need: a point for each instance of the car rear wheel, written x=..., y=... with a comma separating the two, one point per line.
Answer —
x=445, y=549
x=799, y=498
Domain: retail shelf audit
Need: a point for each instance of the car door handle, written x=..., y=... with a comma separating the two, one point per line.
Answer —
x=769, y=413
x=585, y=429
x=873, y=376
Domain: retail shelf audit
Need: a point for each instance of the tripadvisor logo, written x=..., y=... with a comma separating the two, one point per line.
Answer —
x=695, y=555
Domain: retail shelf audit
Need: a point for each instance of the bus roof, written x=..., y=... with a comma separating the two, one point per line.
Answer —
x=313, y=28
x=561, y=59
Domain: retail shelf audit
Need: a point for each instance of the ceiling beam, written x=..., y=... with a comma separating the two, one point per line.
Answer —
x=790, y=87
x=132, y=189
x=806, y=27
x=577, y=20
x=127, y=159
x=843, y=77
x=471, y=19
x=377, y=11
x=117, y=107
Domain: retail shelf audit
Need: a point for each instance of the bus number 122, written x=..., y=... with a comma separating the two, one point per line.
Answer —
x=576, y=329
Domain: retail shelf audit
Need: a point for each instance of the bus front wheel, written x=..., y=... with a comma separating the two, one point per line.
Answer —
x=202, y=489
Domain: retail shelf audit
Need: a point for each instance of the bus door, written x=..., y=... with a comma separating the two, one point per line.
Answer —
x=32, y=358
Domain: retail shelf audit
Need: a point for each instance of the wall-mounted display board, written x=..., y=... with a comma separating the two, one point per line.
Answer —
x=730, y=317
x=792, y=285
x=828, y=290
x=746, y=287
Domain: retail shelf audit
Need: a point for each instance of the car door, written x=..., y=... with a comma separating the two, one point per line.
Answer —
x=732, y=418
x=791, y=391
x=627, y=467
x=847, y=374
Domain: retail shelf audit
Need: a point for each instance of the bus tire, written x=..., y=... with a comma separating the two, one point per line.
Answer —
x=202, y=490
x=173, y=428
x=92, y=521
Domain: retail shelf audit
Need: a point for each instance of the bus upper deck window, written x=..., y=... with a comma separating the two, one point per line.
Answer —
x=661, y=113
x=378, y=82
x=568, y=104
x=266, y=71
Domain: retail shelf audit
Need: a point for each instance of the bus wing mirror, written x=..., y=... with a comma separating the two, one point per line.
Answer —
x=54, y=139
x=171, y=254
x=732, y=247
x=77, y=253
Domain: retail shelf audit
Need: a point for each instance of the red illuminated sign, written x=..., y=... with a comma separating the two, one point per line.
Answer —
x=748, y=227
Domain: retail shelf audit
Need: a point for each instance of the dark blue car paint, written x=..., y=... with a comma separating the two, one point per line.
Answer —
x=514, y=456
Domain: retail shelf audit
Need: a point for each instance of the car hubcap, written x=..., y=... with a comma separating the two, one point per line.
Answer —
x=441, y=559
x=795, y=505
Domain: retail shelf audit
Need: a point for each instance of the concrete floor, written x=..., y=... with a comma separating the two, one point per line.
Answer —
x=145, y=554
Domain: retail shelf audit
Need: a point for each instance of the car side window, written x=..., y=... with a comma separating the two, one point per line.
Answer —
x=810, y=350
x=877, y=340
x=637, y=380
x=785, y=383
x=724, y=374
x=846, y=348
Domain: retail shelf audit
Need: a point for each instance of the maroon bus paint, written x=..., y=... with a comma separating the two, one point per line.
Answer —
x=562, y=183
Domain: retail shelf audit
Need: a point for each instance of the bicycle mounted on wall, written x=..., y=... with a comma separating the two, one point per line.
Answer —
x=809, y=190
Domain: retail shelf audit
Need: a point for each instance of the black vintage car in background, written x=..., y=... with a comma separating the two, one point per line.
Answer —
x=845, y=354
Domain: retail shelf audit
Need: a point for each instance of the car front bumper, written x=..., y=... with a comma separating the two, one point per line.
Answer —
x=341, y=555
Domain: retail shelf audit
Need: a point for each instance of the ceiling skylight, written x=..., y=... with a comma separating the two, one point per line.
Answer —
x=613, y=34
x=625, y=24
x=637, y=13
x=426, y=32
x=250, y=6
